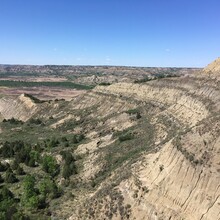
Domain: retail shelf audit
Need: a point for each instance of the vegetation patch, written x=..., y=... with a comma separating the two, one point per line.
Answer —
x=104, y=84
x=65, y=84
x=129, y=145
x=134, y=112
x=13, y=121
x=33, y=98
x=30, y=172
x=156, y=76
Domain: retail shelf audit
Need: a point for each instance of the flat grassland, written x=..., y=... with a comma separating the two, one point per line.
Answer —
x=42, y=87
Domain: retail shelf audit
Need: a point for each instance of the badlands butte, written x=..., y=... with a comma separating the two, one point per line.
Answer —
x=138, y=143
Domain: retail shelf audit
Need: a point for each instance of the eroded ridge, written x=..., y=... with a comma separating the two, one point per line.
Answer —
x=182, y=105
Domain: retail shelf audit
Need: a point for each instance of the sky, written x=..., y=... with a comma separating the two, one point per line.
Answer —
x=149, y=33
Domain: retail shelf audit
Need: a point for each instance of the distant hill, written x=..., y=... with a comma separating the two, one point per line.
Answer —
x=69, y=70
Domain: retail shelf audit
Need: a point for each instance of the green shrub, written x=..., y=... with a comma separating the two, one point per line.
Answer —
x=126, y=137
x=104, y=84
x=50, y=165
x=146, y=79
x=80, y=137
x=69, y=167
x=36, y=121
x=14, y=165
x=29, y=196
x=1, y=179
x=3, y=167
x=74, y=139
x=20, y=171
x=10, y=177
x=49, y=189
x=77, y=138
x=33, y=98
x=7, y=204
x=13, y=121
x=5, y=193
x=66, y=172
x=132, y=111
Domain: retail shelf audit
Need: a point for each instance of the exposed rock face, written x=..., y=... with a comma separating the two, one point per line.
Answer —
x=181, y=179
x=213, y=67
x=182, y=105
x=21, y=108
x=177, y=189
x=176, y=178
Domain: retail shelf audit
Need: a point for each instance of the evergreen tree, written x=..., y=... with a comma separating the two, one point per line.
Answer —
x=1, y=179
x=50, y=165
x=10, y=177
x=29, y=197
x=20, y=171
x=3, y=167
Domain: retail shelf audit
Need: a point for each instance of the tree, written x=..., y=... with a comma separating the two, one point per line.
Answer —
x=7, y=150
x=48, y=188
x=3, y=167
x=31, y=162
x=22, y=155
x=35, y=155
x=69, y=167
x=66, y=144
x=81, y=137
x=19, y=216
x=10, y=177
x=29, y=197
x=7, y=204
x=77, y=138
x=67, y=156
x=64, y=139
x=20, y=171
x=15, y=165
x=67, y=172
x=50, y=165
x=138, y=115
x=33, y=201
x=29, y=184
x=1, y=179
x=5, y=193
x=74, y=140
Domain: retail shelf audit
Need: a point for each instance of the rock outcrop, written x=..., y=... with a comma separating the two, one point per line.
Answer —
x=21, y=108
x=182, y=105
x=213, y=68
x=167, y=167
x=180, y=178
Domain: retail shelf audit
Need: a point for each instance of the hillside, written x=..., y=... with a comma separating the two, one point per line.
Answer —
x=213, y=68
x=143, y=150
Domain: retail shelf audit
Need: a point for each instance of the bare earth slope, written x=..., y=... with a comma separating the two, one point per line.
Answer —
x=213, y=67
x=180, y=180
x=168, y=164
x=21, y=108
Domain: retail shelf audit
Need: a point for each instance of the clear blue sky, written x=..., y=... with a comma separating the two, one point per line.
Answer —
x=110, y=32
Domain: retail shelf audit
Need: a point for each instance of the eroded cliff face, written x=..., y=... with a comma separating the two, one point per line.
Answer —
x=183, y=106
x=180, y=178
x=169, y=166
x=21, y=108
x=178, y=187
x=214, y=67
